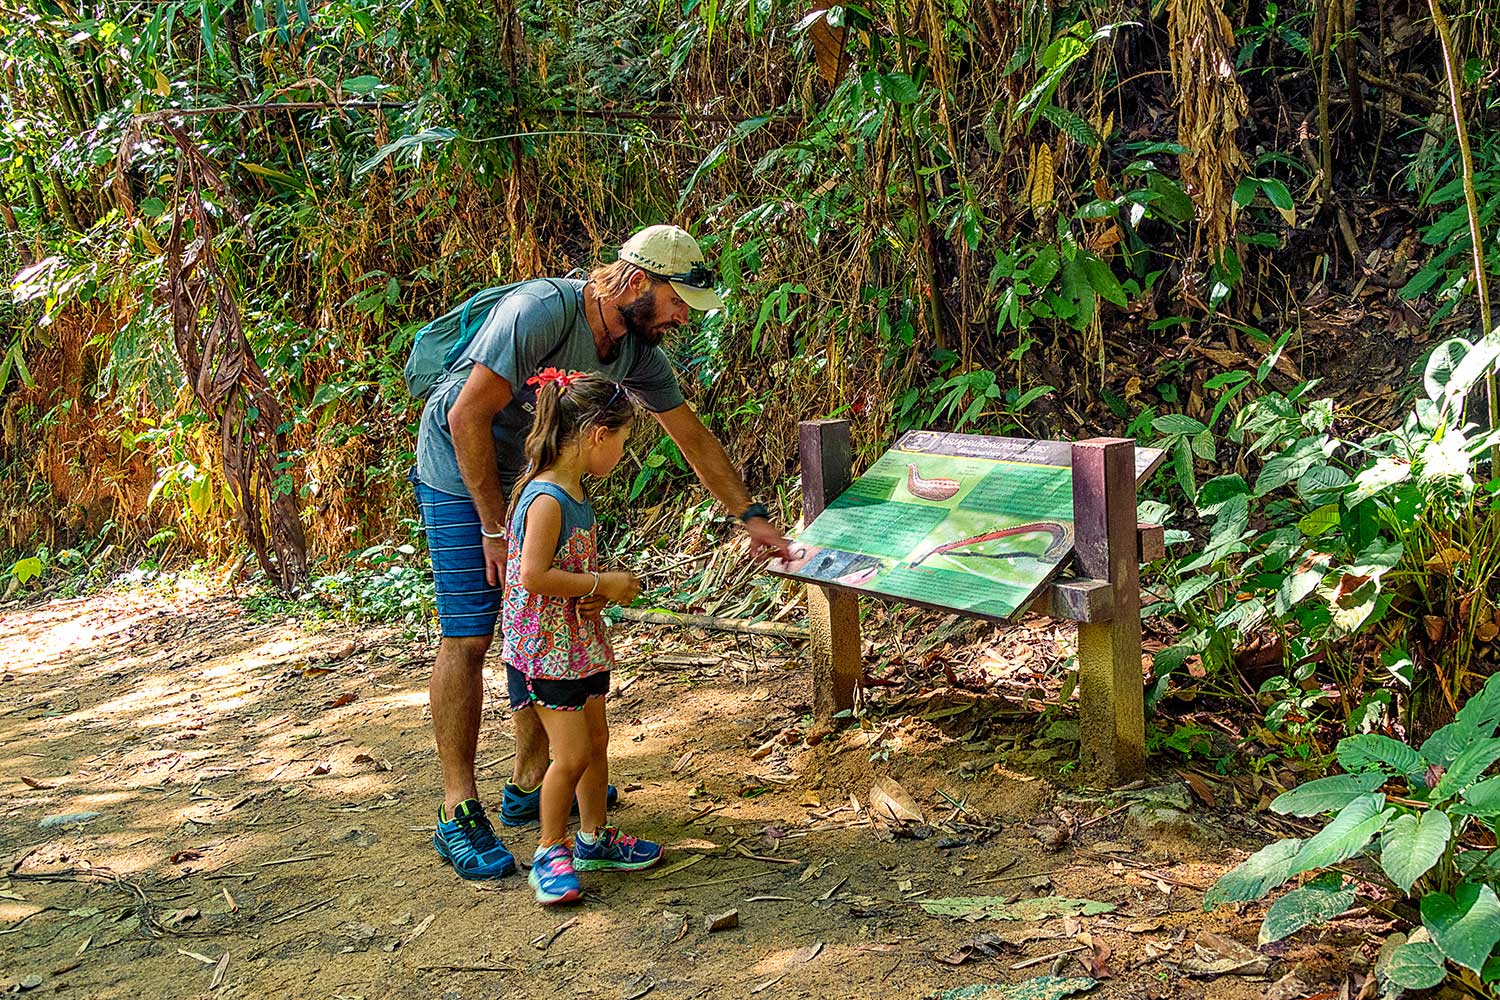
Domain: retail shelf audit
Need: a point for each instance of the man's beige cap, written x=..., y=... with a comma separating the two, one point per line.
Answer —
x=671, y=253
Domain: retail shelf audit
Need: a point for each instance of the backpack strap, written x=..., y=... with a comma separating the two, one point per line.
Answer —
x=569, y=296
x=566, y=292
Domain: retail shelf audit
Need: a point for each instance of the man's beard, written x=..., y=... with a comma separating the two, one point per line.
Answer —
x=637, y=318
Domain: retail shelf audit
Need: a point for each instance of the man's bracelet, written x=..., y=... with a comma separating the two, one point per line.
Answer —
x=755, y=510
x=595, y=588
x=491, y=534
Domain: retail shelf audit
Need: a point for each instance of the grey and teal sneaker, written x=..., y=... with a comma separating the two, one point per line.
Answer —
x=519, y=807
x=614, y=851
x=468, y=843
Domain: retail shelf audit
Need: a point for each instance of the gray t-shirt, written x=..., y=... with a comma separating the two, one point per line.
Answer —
x=522, y=334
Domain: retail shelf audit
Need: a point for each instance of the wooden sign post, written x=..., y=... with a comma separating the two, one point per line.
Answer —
x=832, y=615
x=909, y=555
x=1110, y=686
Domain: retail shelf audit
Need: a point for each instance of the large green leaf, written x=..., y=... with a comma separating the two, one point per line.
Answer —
x=1321, y=521
x=1257, y=875
x=1482, y=710
x=361, y=84
x=1345, y=836
x=1328, y=794
x=1484, y=796
x=1444, y=746
x=1441, y=363
x=1411, y=845
x=1103, y=280
x=1177, y=423
x=1378, y=478
x=1477, y=360
x=1316, y=902
x=1303, y=580
x=428, y=136
x=1416, y=965
x=26, y=570
x=1377, y=557
x=1372, y=751
x=1467, y=767
x=1289, y=466
x=1218, y=490
x=897, y=87
x=1466, y=925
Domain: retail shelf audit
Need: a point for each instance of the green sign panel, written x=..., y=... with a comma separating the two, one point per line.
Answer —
x=954, y=521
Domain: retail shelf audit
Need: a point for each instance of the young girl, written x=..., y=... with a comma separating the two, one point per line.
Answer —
x=554, y=634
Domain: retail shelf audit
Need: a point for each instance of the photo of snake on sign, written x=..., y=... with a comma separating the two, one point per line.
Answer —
x=968, y=548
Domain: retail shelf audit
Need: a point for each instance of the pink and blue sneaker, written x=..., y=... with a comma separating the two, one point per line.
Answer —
x=553, y=877
x=611, y=850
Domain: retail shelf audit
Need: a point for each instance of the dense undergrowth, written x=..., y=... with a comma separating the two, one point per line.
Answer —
x=1244, y=233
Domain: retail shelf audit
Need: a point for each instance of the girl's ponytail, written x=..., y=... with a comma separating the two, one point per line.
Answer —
x=568, y=404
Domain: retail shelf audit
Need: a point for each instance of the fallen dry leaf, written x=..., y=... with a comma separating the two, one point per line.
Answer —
x=890, y=801
x=1202, y=789
x=179, y=917
x=1216, y=955
x=344, y=699
x=1095, y=956
x=34, y=783
x=804, y=955
x=979, y=946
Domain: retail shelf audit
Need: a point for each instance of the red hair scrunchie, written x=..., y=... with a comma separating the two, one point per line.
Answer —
x=550, y=375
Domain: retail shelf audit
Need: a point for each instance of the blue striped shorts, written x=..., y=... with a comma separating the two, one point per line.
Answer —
x=466, y=603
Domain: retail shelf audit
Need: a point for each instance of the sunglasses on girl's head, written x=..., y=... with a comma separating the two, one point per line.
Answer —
x=698, y=277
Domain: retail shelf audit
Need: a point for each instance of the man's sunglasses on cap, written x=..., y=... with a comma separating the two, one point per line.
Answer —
x=699, y=277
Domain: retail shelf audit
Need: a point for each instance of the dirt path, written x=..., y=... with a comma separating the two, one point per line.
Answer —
x=199, y=803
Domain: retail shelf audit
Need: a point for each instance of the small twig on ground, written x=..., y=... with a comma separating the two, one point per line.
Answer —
x=300, y=857
x=1027, y=963
x=1101, y=818
x=704, y=812
x=1009, y=878
x=544, y=940
x=307, y=908
x=721, y=881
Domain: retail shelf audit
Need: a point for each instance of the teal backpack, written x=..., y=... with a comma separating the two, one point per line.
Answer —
x=442, y=342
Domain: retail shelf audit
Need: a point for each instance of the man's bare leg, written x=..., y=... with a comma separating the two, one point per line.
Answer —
x=456, y=695
x=532, y=751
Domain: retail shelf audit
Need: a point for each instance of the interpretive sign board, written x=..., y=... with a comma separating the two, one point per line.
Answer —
x=960, y=522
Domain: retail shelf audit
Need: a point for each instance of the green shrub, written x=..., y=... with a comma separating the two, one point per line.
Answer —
x=1420, y=802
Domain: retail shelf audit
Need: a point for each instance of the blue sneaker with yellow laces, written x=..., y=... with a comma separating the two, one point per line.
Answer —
x=519, y=807
x=468, y=843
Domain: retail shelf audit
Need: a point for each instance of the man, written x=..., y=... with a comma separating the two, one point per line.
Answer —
x=469, y=455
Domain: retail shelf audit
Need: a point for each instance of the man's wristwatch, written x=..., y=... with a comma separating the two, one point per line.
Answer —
x=753, y=511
